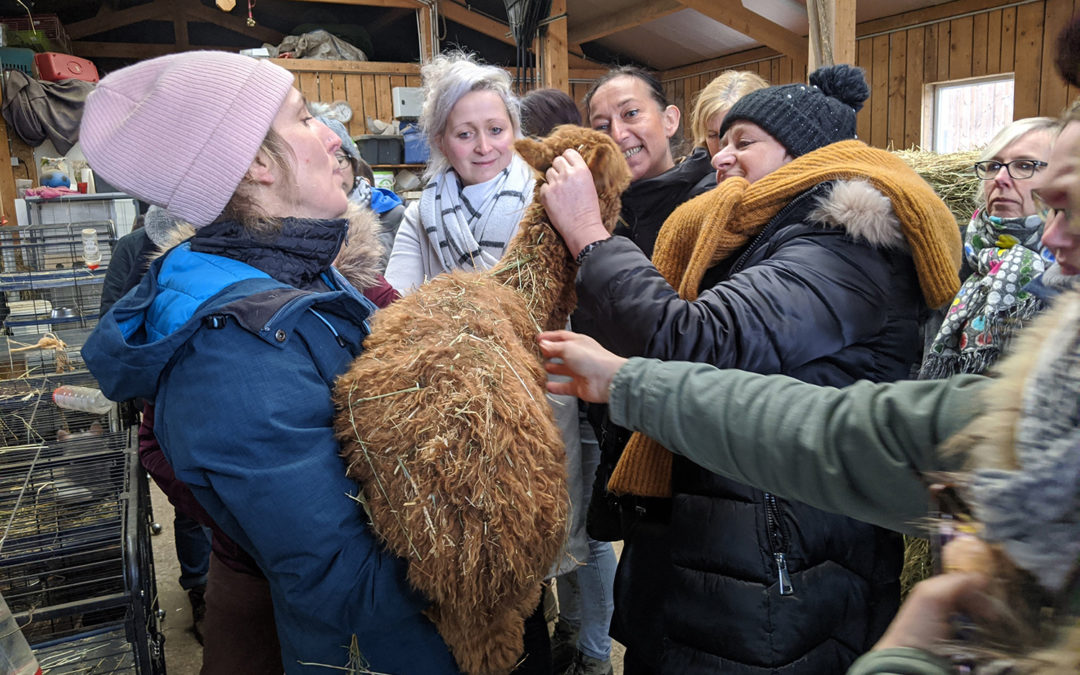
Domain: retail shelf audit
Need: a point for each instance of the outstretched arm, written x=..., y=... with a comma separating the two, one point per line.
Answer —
x=860, y=451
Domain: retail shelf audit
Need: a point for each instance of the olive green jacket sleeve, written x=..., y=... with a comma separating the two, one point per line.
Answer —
x=899, y=661
x=859, y=451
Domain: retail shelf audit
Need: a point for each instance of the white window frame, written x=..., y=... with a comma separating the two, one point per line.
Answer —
x=932, y=97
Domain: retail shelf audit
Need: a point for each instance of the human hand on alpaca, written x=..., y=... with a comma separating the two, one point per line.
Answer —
x=928, y=616
x=569, y=197
x=590, y=366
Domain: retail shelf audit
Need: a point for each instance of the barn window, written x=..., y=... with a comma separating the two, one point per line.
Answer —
x=965, y=114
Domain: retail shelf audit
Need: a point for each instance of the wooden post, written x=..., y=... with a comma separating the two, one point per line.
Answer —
x=7, y=178
x=426, y=25
x=556, y=73
x=832, y=32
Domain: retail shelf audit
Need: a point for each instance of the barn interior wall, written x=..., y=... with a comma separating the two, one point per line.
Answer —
x=976, y=40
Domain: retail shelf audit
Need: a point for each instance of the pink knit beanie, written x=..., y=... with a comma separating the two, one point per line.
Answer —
x=180, y=131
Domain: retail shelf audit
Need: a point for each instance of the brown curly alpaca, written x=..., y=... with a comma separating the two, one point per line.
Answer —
x=444, y=422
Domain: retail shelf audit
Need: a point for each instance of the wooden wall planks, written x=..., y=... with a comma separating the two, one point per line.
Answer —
x=968, y=38
x=965, y=38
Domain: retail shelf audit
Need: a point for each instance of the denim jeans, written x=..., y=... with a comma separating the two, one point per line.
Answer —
x=192, y=551
x=585, y=599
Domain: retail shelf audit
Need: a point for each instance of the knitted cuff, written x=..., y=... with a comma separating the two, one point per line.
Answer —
x=583, y=253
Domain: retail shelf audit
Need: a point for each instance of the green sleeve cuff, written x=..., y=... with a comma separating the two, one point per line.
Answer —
x=899, y=661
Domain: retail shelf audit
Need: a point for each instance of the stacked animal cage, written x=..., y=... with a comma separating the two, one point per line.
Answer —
x=50, y=293
x=75, y=560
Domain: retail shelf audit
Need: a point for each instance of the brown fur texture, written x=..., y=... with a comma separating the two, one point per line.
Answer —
x=1029, y=636
x=445, y=424
x=360, y=257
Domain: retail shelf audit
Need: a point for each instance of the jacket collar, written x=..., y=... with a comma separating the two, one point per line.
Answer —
x=695, y=169
x=297, y=255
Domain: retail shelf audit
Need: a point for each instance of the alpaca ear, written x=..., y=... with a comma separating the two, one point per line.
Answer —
x=537, y=154
x=608, y=167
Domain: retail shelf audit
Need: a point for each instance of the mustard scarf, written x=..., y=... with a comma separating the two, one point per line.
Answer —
x=713, y=226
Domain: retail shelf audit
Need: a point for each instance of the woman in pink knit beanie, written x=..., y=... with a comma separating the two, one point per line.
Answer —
x=237, y=336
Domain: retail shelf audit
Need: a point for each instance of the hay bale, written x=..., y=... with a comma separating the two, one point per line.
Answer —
x=951, y=175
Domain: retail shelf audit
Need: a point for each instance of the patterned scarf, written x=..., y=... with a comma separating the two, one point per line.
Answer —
x=473, y=236
x=1004, y=254
x=720, y=222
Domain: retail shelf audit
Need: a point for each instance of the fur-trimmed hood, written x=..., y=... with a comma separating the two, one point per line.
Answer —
x=359, y=260
x=862, y=211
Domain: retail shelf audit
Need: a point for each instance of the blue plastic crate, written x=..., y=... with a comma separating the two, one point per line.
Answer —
x=416, y=146
x=17, y=58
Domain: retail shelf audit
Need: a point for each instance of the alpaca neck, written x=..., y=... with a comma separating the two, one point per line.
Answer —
x=538, y=265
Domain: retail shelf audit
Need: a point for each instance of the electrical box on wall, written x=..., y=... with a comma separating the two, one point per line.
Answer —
x=407, y=102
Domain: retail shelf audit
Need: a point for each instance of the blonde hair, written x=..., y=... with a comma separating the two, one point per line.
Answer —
x=244, y=208
x=718, y=96
x=446, y=79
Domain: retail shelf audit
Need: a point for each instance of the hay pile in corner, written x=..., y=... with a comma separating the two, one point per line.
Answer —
x=951, y=175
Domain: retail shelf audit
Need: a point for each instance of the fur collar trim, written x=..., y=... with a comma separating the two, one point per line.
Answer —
x=360, y=259
x=862, y=211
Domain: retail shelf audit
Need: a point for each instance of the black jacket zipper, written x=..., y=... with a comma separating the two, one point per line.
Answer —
x=778, y=541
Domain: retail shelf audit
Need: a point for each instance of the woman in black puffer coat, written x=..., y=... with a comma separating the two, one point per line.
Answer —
x=815, y=257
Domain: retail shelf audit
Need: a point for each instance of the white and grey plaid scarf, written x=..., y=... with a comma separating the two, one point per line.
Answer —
x=473, y=236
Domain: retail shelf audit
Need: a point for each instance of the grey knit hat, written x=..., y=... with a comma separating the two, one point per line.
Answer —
x=804, y=117
x=348, y=145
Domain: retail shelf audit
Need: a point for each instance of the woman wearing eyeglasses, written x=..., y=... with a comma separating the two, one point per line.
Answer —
x=1002, y=254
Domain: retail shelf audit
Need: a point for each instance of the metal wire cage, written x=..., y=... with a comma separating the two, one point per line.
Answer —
x=75, y=561
x=46, y=279
x=51, y=297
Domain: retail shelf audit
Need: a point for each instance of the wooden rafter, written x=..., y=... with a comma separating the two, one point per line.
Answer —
x=108, y=19
x=407, y=4
x=177, y=12
x=480, y=23
x=134, y=51
x=751, y=24
x=623, y=19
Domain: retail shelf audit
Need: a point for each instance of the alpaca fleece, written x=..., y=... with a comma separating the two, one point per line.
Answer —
x=445, y=423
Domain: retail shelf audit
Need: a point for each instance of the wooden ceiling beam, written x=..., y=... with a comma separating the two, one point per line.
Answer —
x=133, y=50
x=177, y=12
x=197, y=11
x=478, y=22
x=119, y=18
x=631, y=17
x=407, y=4
x=731, y=13
x=928, y=14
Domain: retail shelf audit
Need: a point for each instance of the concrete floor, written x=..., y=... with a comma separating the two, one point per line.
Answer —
x=183, y=655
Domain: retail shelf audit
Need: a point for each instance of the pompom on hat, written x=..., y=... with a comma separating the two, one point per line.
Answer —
x=804, y=117
x=180, y=131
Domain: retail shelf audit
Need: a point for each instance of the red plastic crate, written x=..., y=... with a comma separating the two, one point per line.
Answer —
x=53, y=67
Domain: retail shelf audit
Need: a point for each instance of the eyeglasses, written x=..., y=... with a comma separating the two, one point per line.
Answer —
x=1019, y=169
x=1047, y=212
x=343, y=160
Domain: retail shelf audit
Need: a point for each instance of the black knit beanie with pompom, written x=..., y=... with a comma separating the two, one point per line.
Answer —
x=804, y=117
